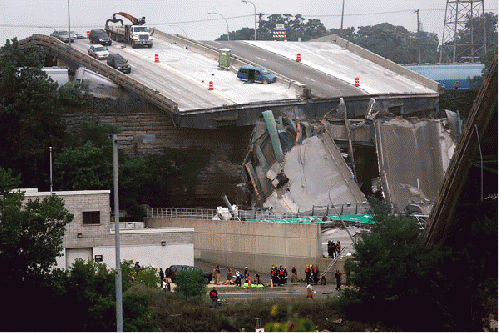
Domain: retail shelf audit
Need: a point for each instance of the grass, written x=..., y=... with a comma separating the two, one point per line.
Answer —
x=174, y=313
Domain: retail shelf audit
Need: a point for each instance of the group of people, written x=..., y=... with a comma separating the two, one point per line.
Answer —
x=279, y=275
x=165, y=284
x=311, y=274
x=333, y=249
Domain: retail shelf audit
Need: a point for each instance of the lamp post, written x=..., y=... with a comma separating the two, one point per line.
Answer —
x=342, y=14
x=225, y=23
x=247, y=1
x=119, y=291
x=69, y=27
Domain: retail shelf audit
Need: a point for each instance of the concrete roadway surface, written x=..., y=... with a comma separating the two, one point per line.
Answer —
x=321, y=84
x=183, y=76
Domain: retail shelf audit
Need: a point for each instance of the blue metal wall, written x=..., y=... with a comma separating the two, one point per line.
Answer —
x=448, y=74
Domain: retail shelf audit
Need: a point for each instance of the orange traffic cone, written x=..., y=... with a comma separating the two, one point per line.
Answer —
x=156, y=57
x=298, y=57
x=210, y=85
x=357, y=82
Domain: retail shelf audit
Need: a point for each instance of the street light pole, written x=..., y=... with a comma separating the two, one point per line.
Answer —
x=228, y=39
x=247, y=1
x=119, y=291
x=51, y=187
x=69, y=27
x=342, y=14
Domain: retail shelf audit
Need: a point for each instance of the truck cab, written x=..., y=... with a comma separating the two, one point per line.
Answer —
x=138, y=36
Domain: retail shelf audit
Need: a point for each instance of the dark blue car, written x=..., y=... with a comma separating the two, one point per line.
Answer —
x=255, y=74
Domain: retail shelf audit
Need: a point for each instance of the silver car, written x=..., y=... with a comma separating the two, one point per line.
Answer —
x=63, y=36
x=98, y=51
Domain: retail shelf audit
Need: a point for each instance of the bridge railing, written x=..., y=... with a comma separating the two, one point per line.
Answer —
x=316, y=211
x=128, y=83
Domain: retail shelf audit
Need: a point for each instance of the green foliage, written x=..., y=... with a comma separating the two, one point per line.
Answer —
x=396, y=43
x=475, y=27
x=75, y=93
x=137, y=313
x=30, y=119
x=296, y=27
x=295, y=325
x=191, y=283
x=146, y=276
x=84, y=168
x=30, y=234
x=393, y=273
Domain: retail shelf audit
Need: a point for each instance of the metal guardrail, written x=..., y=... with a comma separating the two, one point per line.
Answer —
x=119, y=78
x=208, y=214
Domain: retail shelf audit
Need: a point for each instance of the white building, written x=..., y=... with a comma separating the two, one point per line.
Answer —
x=91, y=234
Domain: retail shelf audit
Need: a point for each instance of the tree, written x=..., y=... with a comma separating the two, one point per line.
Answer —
x=30, y=240
x=191, y=283
x=464, y=36
x=297, y=28
x=398, y=280
x=30, y=233
x=30, y=119
x=397, y=43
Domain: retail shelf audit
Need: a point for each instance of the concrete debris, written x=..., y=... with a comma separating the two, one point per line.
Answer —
x=412, y=159
x=317, y=176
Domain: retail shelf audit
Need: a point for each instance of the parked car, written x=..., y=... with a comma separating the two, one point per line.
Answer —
x=98, y=51
x=63, y=36
x=99, y=36
x=118, y=62
x=77, y=35
x=259, y=74
x=172, y=271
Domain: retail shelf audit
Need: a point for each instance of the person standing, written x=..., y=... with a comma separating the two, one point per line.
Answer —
x=161, y=275
x=307, y=273
x=338, y=249
x=229, y=276
x=337, y=276
x=310, y=291
x=247, y=276
x=294, y=275
x=333, y=250
x=238, y=279
x=315, y=272
x=217, y=275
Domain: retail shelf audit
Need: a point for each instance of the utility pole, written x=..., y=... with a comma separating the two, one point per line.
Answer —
x=419, y=47
x=342, y=14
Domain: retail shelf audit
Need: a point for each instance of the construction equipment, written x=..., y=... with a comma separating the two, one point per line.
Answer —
x=135, y=34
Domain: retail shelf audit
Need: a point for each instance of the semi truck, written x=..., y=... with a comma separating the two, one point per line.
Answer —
x=135, y=34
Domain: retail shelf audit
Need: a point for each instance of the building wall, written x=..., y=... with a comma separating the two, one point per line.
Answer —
x=256, y=245
x=151, y=247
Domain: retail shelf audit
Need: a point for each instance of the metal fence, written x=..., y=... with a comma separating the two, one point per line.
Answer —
x=316, y=211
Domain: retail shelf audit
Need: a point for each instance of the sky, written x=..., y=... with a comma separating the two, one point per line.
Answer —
x=191, y=18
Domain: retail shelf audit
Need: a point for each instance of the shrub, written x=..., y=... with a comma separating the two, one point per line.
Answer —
x=191, y=283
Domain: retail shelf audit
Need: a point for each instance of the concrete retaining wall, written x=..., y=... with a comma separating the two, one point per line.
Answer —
x=256, y=245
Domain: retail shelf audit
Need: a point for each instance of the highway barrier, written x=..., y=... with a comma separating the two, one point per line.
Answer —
x=63, y=50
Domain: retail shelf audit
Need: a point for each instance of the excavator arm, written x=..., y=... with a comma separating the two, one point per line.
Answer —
x=132, y=19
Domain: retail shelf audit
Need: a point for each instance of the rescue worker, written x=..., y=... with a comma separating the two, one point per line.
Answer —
x=315, y=273
x=337, y=276
x=307, y=274
x=213, y=297
x=229, y=276
x=217, y=275
x=294, y=275
x=285, y=276
x=281, y=275
x=161, y=275
x=310, y=291
x=338, y=248
x=274, y=275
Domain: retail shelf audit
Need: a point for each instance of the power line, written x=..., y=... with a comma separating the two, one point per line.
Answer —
x=230, y=18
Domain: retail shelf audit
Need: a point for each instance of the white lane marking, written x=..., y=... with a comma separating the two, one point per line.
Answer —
x=261, y=58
